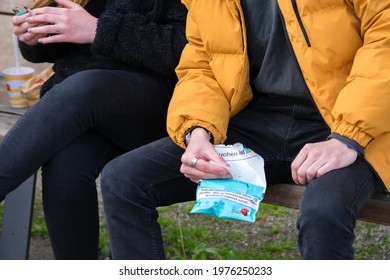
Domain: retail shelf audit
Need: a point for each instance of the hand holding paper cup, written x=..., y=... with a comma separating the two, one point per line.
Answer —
x=14, y=77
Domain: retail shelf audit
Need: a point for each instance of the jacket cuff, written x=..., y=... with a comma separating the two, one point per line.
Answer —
x=349, y=142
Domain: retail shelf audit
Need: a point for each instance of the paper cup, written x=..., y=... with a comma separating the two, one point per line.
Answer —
x=14, y=77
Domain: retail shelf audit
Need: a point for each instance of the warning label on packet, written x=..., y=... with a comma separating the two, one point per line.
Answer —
x=244, y=199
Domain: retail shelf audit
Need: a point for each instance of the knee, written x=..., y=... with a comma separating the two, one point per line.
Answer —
x=109, y=176
x=322, y=210
x=119, y=180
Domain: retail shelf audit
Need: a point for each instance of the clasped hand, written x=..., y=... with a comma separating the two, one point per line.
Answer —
x=70, y=23
x=317, y=159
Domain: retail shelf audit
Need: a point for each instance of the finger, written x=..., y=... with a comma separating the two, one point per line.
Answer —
x=336, y=164
x=200, y=172
x=23, y=28
x=24, y=37
x=300, y=177
x=325, y=169
x=18, y=20
x=56, y=38
x=30, y=39
x=302, y=173
x=45, y=19
x=215, y=169
x=307, y=169
x=45, y=29
x=67, y=4
x=312, y=171
x=196, y=181
x=192, y=174
x=18, y=31
x=296, y=165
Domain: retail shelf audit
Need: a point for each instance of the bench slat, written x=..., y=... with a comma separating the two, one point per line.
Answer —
x=6, y=123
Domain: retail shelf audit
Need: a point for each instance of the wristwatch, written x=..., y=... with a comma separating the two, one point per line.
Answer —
x=187, y=135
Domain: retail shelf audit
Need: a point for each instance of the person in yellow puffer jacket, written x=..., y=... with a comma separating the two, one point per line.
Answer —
x=305, y=84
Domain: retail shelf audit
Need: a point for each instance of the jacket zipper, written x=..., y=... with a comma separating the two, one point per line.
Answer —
x=295, y=7
x=242, y=22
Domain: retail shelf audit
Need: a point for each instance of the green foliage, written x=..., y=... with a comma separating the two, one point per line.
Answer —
x=370, y=243
x=38, y=227
x=272, y=237
x=104, y=244
x=200, y=237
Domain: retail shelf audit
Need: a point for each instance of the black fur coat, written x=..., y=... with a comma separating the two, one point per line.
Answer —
x=131, y=34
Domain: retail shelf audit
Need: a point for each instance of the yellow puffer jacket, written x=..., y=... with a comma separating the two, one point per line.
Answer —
x=342, y=47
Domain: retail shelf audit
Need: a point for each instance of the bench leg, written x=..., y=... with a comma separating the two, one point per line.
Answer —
x=17, y=217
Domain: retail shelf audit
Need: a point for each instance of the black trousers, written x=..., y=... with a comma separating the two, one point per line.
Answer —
x=77, y=127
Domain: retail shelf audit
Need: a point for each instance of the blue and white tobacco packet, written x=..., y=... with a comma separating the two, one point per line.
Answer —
x=237, y=198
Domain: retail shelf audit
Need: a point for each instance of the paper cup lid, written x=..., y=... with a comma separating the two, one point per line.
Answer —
x=17, y=71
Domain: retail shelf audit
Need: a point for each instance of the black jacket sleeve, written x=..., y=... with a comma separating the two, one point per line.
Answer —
x=43, y=53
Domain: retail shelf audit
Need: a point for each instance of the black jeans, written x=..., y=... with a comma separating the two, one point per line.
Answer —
x=136, y=183
x=72, y=132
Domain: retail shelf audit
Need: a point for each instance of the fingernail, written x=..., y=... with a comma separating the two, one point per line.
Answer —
x=29, y=30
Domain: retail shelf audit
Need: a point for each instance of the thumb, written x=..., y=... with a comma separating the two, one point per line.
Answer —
x=67, y=4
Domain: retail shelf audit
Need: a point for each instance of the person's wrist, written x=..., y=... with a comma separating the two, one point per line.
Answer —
x=198, y=133
x=349, y=142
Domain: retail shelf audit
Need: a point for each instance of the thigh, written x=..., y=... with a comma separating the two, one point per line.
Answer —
x=276, y=129
x=115, y=87
x=127, y=107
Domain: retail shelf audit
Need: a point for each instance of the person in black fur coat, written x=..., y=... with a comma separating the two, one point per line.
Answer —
x=114, y=63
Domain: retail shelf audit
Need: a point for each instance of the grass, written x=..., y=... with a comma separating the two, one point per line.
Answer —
x=272, y=237
x=194, y=236
x=201, y=237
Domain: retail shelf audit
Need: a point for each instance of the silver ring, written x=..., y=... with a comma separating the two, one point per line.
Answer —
x=194, y=161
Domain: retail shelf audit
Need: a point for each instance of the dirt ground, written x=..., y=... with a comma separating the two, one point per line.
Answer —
x=40, y=249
